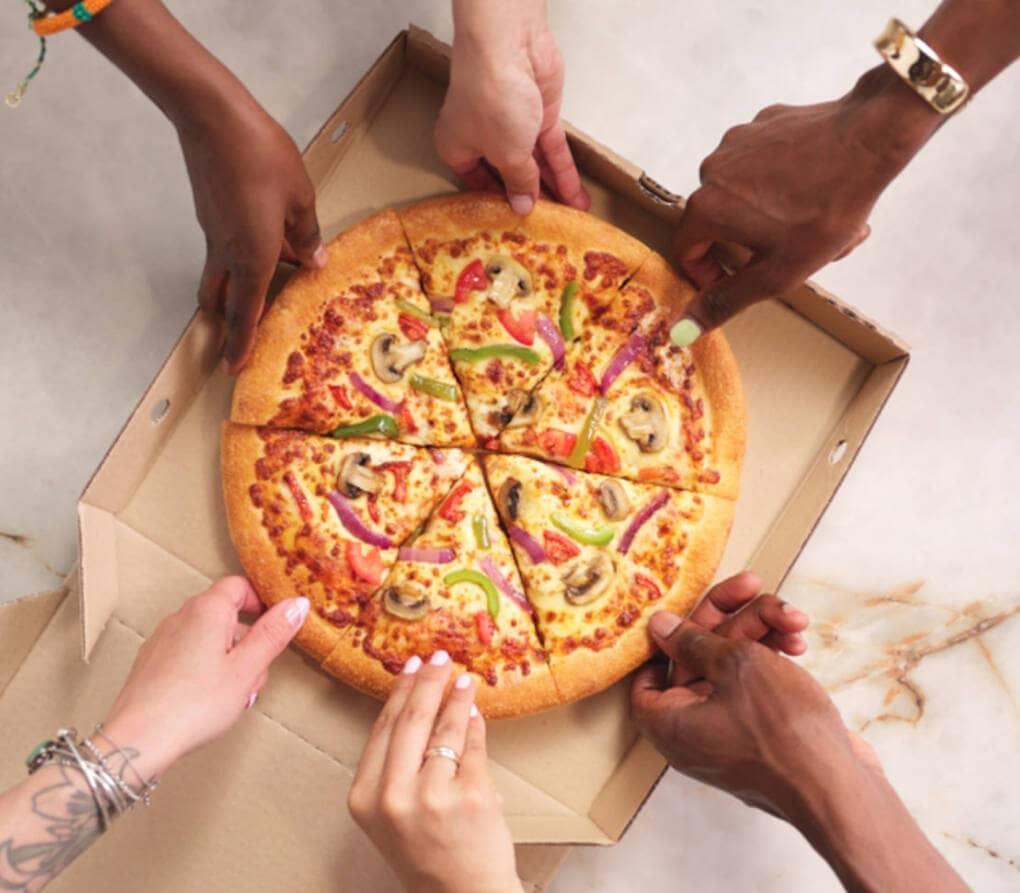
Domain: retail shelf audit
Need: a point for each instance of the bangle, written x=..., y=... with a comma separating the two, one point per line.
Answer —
x=938, y=84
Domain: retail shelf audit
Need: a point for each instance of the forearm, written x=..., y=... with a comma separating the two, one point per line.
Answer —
x=979, y=38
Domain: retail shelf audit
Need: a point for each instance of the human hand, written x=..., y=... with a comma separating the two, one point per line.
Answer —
x=796, y=187
x=502, y=109
x=198, y=671
x=256, y=205
x=439, y=826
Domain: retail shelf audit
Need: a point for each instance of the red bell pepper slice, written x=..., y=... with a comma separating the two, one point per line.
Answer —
x=471, y=278
x=521, y=327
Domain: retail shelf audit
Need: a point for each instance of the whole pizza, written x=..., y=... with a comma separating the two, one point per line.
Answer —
x=471, y=431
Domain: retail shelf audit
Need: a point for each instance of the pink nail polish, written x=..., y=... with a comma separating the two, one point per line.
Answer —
x=320, y=257
x=297, y=611
x=522, y=204
x=413, y=665
x=439, y=658
x=252, y=698
x=473, y=711
x=463, y=681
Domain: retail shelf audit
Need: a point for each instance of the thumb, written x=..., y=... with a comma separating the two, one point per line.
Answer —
x=727, y=297
x=522, y=180
x=703, y=652
x=270, y=634
x=304, y=236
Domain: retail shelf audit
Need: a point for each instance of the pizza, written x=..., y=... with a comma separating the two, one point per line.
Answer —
x=471, y=432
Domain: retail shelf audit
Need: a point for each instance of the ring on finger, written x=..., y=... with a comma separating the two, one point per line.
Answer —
x=444, y=751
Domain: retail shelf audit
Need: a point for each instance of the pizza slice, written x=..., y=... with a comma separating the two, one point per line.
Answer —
x=455, y=587
x=324, y=518
x=598, y=555
x=629, y=402
x=516, y=289
x=354, y=347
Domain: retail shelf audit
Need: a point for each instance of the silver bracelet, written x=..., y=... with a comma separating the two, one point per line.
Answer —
x=146, y=786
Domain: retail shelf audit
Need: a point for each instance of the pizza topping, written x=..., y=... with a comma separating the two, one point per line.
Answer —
x=645, y=423
x=376, y=424
x=580, y=450
x=414, y=329
x=508, y=280
x=613, y=500
x=477, y=578
x=400, y=472
x=558, y=547
x=551, y=336
x=299, y=496
x=354, y=525
x=648, y=586
x=602, y=458
x=522, y=326
x=581, y=381
x=528, y=543
x=391, y=359
x=356, y=477
x=441, y=390
x=508, y=499
x=480, y=528
x=408, y=601
x=410, y=309
x=646, y=512
x=450, y=510
x=524, y=408
x=567, y=310
x=471, y=278
x=366, y=565
x=426, y=555
x=405, y=421
x=621, y=360
x=490, y=351
x=339, y=393
x=566, y=474
x=485, y=627
x=366, y=390
x=557, y=443
x=505, y=586
x=587, y=579
x=590, y=536
x=441, y=305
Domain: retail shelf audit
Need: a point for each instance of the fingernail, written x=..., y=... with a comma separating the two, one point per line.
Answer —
x=297, y=611
x=473, y=711
x=463, y=681
x=663, y=623
x=413, y=665
x=793, y=612
x=320, y=257
x=252, y=698
x=522, y=204
x=685, y=332
x=439, y=658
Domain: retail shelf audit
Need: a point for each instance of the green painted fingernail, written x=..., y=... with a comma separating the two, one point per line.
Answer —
x=685, y=332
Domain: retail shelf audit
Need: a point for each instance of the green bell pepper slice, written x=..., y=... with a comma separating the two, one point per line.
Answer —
x=441, y=390
x=423, y=315
x=490, y=351
x=481, y=528
x=468, y=575
x=376, y=424
x=570, y=291
x=580, y=450
x=590, y=536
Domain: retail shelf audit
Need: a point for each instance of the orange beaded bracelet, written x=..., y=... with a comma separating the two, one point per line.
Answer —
x=82, y=11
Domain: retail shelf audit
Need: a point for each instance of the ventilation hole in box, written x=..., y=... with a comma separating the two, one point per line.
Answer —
x=339, y=131
x=159, y=410
x=838, y=451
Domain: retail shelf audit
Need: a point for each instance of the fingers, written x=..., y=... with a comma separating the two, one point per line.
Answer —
x=476, y=175
x=559, y=168
x=247, y=285
x=763, y=615
x=705, y=653
x=465, y=161
x=650, y=692
x=373, y=758
x=724, y=598
x=212, y=287
x=474, y=761
x=414, y=725
x=303, y=234
x=451, y=729
x=269, y=635
x=521, y=178
x=862, y=234
x=237, y=592
x=786, y=643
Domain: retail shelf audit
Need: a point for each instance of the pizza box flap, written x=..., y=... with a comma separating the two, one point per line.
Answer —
x=152, y=532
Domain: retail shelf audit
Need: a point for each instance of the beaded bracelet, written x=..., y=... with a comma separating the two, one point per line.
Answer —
x=45, y=24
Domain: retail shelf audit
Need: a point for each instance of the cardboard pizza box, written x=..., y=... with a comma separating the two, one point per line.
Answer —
x=263, y=808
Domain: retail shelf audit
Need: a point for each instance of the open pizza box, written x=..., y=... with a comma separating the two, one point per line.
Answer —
x=263, y=808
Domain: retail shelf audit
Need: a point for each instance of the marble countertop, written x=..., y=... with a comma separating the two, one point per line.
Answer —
x=912, y=577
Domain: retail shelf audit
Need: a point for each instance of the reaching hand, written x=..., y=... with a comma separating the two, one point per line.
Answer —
x=198, y=671
x=503, y=105
x=256, y=205
x=438, y=824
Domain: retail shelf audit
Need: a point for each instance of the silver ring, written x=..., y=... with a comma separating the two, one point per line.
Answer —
x=444, y=751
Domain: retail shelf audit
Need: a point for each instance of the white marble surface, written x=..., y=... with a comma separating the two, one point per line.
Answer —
x=912, y=576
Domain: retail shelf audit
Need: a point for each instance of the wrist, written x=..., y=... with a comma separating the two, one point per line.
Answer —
x=486, y=30
x=151, y=753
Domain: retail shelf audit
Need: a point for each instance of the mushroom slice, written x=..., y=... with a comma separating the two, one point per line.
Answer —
x=508, y=499
x=645, y=423
x=524, y=408
x=614, y=500
x=508, y=280
x=407, y=600
x=390, y=358
x=587, y=578
x=356, y=477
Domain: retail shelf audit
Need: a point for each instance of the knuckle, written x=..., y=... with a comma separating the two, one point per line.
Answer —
x=393, y=805
x=359, y=804
x=433, y=803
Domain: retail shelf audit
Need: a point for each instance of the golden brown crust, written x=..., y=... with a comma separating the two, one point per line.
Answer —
x=725, y=394
x=584, y=672
x=240, y=449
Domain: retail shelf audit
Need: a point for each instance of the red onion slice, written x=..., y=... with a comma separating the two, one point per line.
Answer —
x=349, y=518
x=441, y=305
x=528, y=543
x=438, y=456
x=551, y=336
x=427, y=555
x=378, y=399
x=623, y=357
x=490, y=570
x=646, y=512
x=565, y=473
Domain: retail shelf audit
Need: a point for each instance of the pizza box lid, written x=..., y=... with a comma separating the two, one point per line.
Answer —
x=152, y=532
